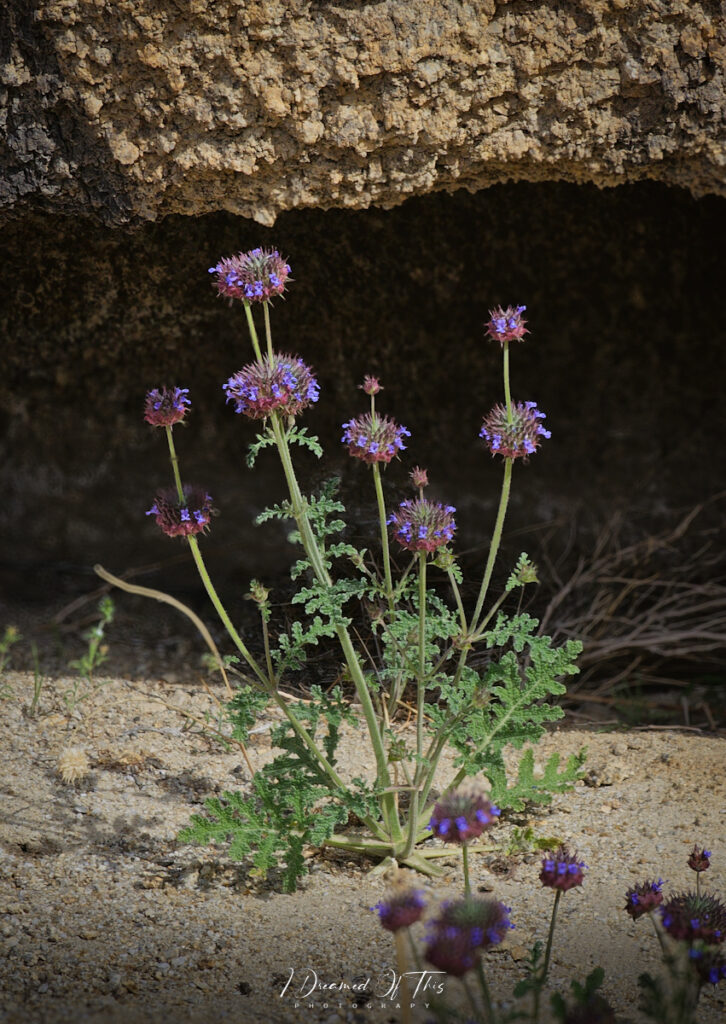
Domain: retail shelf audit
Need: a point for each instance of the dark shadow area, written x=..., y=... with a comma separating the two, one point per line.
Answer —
x=627, y=357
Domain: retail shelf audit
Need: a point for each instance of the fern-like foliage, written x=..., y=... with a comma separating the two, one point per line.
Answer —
x=507, y=704
x=295, y=435
x=290, y=804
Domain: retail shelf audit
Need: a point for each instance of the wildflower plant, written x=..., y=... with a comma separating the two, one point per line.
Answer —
x=301, y=799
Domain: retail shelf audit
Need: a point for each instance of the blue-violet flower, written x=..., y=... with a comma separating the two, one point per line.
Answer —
x=463, y=928
x=516, y=439
x=282, y=383
x=463, y=814
x=643, y=898
x=182, y=519
x=506, y=324
x=374, y=438
x=691, y=916
x=401, y=909
x=255, y=276
x=562, y=870
x=699, y=859
x=166, y=406
x=422, y=525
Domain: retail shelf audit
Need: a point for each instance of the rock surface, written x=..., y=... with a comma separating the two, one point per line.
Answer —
x=135, y=110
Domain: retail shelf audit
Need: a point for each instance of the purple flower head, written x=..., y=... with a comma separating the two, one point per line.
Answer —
x=374, y=438
x=401, y=910
x=691, y=916
x=166, y=406
x=519, y=438
x=255, y=276
x=506, y=324
x=463, y=814
x=450, y=950
x=419, y=478
x=182, y=519
x=562, y=870
x=641, y=899
x=708, y=963
x=371, y=385
x=699, y=859
x=283, y=383
x=422, y=525
x=463, y=928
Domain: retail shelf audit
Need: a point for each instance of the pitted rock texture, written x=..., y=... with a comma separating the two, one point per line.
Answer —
x=133, y=109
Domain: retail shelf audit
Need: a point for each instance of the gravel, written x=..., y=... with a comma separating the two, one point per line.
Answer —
x=105, y=918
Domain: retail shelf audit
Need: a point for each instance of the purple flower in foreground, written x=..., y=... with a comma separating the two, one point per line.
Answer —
x=401, y=910
x=699, y=859
x=422, y=525
x=643, y=898
x=182, y=519
x=562, y=870
x=463, y=815
x=164, y=407
x=690, y=916
x=516, y=439
x=283, y=383
x=374, y=438
x=464, y=928
x=708, y=962
x=506, y=324
x=254, y=276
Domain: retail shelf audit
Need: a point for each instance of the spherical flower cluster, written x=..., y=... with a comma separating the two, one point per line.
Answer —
x=641, y=899
x=463, y=930
x=182, y=519
x=463, y=814
x=374, y=438
x=699, y=859
x=401, y=910
x=282, y=383
x=166, y=406
x=562, y=870
x=254, y=276
x=422, y=525
x=371, y=385
x=419, y=478
x=691, y=916
x=708, y=962
x=516, y=439
x=506, y=324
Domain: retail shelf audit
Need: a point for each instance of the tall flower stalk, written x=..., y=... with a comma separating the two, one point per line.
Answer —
x=420, y=650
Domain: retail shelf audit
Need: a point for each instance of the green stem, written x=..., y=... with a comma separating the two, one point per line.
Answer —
x=384, y=539
x=268, y=331
x=222, y=612
x=486, y=997
x=507, y=394
x=316, y=561
x=253, y=331
x=542, y=979
x=495, y=542
x=175, y=466
x=401, y=964
x=465, y=865
x=421, y=681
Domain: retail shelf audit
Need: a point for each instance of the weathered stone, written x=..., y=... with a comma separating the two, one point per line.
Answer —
x=135, y=109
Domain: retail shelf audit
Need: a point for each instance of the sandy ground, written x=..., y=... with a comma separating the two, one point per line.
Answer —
x=105, y=918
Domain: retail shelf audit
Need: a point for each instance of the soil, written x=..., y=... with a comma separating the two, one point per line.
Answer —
x=105, y=918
